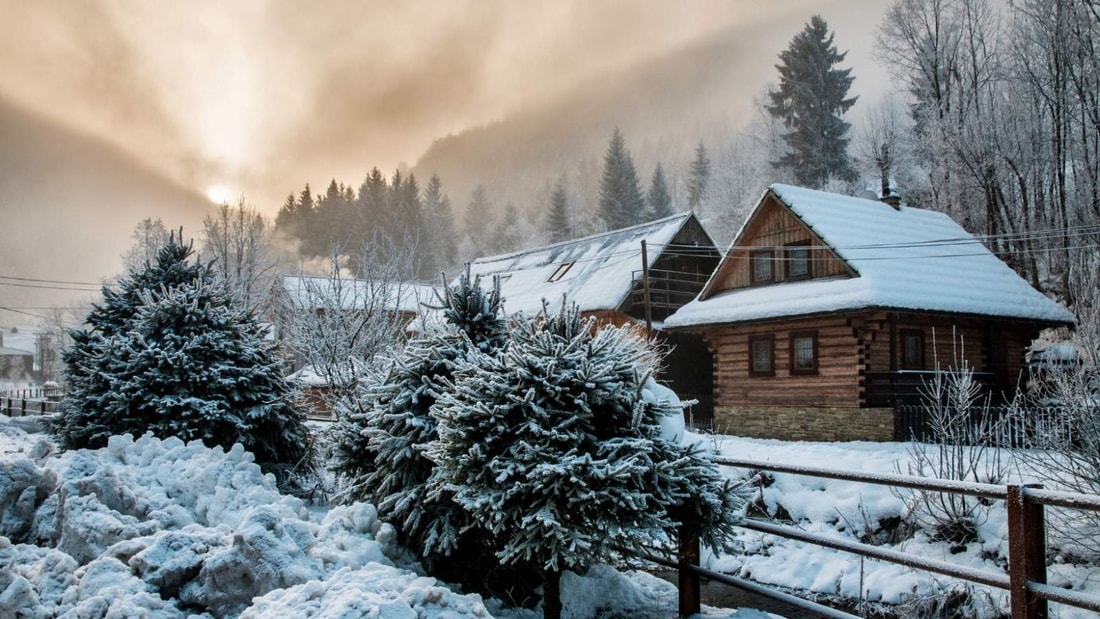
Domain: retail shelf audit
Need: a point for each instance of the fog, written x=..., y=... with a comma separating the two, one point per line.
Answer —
x=260, y=97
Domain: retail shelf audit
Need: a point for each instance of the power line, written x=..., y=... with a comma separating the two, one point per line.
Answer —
x=47, y=281
x=24, y=313
x=49, y=287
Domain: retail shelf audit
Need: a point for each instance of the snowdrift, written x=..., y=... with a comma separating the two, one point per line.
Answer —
x=164, y=529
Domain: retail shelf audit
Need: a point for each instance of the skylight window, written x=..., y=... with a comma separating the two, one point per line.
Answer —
x=560, y=272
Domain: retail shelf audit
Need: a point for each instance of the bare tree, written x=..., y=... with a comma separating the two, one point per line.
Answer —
x=965, y=447
x=342, y=326
x=149, y=236
x=238, y=240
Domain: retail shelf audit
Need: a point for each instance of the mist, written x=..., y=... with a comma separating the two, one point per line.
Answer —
x=261, y=97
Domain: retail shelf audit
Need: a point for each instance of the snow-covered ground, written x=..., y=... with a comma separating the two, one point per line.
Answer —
x=162, y=529
x=847, y=510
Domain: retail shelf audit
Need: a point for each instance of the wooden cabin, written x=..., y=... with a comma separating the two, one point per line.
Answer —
x=827, y=312
x=604, y=275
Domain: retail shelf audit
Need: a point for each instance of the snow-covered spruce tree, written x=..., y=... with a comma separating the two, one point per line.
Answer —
x=386, y=427
x=812, y=95
x=555, y=449
x=170, y=354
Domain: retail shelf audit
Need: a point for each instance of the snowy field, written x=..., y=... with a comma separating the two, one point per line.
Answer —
x=163, y=529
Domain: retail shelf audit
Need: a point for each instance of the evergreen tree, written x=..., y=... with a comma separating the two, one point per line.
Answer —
x=476, y=221
x=558, y=223
x=168, y=353
x=439, y=244
x=554, y=447
x=621, y=201
x=506, y=235
x=700, y=175
x=811, y=97
x=384, y=431
x=660, y=202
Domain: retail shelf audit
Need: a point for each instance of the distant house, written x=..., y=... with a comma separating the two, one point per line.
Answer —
x=603, y=275
x=16, y=366
x=828, y=311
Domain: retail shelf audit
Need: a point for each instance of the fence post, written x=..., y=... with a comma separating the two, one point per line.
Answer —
x=688, y=556
x=1027, y=560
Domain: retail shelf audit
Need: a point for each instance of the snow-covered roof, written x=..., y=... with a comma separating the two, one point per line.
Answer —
x=14, y=352
x=595, y=272
x=904, y=258
x=350, y=294
x=307, y=376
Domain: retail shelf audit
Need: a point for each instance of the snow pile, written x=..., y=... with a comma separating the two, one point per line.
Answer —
x=161, y=528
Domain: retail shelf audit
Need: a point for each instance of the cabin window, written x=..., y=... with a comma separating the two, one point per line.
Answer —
x=798, y=260
x=763, y=355
x=560, y=272
x=804, y=352
x=761, y=261
x=912, y=349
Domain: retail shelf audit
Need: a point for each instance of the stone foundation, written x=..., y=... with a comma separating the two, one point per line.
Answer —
x=805, y=423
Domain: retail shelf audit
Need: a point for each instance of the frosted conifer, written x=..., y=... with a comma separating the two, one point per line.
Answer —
x=168, y=353
x=385, y=429
x=552, y=448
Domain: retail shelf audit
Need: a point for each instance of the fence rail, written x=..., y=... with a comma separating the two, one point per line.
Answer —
x=1025, y=581
x=23, y=402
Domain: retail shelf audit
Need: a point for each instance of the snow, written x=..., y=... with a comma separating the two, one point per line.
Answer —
x=316, y=292
x=167, y=530
x=163, y=529
x=905, y=258
x=842, y=509
x=601, y=275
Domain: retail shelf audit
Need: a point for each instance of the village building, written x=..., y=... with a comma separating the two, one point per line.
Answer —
x=828, y=312
x=617, y=277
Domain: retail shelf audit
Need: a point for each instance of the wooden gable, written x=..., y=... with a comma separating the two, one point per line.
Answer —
x=678, y=273
x=773, y=229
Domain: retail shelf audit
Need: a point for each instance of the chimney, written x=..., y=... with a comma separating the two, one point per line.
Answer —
x=888, y=194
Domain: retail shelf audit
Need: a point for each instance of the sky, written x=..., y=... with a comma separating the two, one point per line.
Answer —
x=257, y=97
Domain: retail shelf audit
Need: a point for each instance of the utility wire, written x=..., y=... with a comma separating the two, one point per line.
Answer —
x=47, y=281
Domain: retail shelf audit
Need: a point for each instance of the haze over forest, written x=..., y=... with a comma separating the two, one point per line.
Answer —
x=111, y=112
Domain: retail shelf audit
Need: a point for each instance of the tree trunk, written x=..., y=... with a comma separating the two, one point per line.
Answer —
x=551, y=595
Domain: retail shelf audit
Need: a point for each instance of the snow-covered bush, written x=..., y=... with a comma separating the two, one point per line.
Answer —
x=168, y=353
x=556, y=452
x=383, y=433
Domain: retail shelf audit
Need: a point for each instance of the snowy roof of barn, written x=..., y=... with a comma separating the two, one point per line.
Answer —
x=904, y=258
x=351, y=294
x=595, y=272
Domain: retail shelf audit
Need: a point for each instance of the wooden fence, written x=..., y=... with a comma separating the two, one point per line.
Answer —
x=23, y=402
x=1025, y=579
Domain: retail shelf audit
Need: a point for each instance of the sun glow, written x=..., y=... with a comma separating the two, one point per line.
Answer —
x=219, y=194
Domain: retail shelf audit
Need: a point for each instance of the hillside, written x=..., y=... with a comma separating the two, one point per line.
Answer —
x=664, y=106
x=68, y=206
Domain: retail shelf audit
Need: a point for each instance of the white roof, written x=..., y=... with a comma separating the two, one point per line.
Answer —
x=320, y=292
x=909, y=258
x=601, y=274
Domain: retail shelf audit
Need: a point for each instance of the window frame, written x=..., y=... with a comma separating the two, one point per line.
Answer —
x=769, y=339
x=815, y=357
x=788, y=260
x=903, y=361
x=560, y=272
x=756, y=256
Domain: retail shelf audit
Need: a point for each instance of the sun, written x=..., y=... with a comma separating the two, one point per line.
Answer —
x=219, y=194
